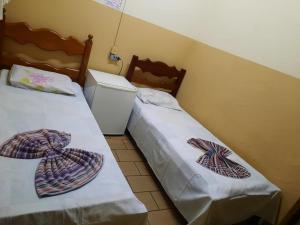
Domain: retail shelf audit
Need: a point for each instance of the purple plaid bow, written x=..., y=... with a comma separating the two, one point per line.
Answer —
x=62, y=169
x=215, y=159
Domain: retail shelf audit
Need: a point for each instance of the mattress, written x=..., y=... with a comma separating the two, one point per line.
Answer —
x=107, y=199
x=202, y=196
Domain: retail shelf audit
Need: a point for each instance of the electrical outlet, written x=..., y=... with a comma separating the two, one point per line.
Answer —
x=114, y=57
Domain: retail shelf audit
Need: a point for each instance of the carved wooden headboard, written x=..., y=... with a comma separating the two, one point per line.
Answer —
x=46, y=40
x=156, y=69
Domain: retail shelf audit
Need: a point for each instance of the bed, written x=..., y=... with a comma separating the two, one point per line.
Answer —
x=107, y=199
x=202, y=197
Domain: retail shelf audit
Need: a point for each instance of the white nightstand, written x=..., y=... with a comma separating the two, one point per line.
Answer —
x=111, y=98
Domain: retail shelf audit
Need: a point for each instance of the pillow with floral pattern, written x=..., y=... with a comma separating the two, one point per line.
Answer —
x=36, y=79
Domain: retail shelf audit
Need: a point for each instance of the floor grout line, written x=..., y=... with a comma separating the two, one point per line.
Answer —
x=155, y=200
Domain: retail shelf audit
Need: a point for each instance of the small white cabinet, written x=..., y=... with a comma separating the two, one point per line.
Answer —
x=111, y=98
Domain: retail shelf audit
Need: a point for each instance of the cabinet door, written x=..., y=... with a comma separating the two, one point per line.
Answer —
x=112, y=108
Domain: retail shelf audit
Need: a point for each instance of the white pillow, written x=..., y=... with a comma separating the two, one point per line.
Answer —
x=32, y=78
x=159, y=98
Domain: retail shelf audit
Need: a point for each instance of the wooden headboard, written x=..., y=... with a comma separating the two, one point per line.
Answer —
x=46, y=40
x=157, y=69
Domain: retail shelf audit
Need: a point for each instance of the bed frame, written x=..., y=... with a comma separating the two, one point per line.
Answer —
x=46, y=40
x=158, y=69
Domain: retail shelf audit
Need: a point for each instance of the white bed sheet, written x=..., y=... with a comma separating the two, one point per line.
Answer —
x=107, y=199
x=202, y=196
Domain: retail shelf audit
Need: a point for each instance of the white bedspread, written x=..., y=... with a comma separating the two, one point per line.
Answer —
x=107, y=199
x=202, y=196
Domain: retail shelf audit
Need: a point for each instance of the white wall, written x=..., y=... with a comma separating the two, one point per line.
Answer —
x=264, y=31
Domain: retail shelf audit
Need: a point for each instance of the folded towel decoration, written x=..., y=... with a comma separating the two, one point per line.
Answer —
x=34, y=144
x=61, y=169
x=215, y=159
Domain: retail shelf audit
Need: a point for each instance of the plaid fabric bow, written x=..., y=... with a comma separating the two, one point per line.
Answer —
x=215, y=159
x=62, y=169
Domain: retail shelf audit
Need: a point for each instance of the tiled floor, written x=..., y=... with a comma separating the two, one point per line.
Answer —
x=143, y=183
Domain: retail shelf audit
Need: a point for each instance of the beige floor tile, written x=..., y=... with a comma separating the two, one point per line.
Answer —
x=128, y=156
x=116, y=144
x=161, y=200
x=164, y=217
x=142, y=183
x=129, y=168
x=121, y=137
x=148, y=200
x=143, y=168
x=129, y=144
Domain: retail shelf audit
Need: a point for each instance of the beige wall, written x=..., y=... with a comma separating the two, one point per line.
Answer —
x=253, y=109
